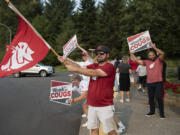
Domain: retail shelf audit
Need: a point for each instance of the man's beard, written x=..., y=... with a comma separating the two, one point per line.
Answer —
x=101, y=60
x=153, y=59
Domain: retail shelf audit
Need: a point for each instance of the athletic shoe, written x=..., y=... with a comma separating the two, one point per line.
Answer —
x=84, y=115
x=143, y=90
x=120, y=130
x=127, y=100
x=149, y=114
x=121, y=125
x=121, y=100
x=162, y=117
x=85, y=124
x=139, y=87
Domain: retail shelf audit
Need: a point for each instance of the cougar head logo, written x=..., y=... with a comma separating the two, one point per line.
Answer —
x=21, y=55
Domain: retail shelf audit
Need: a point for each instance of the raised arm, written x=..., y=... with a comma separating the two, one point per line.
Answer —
x=85, y=71
x=160, y=52
x=84, y=51
x=136, y=59
x=67, y=61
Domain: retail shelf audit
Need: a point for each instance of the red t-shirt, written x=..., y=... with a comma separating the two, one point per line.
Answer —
x=154, y=70
x=100, y=92
x=133, y=64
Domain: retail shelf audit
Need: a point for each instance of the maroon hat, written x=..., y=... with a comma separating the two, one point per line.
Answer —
x=102, y=48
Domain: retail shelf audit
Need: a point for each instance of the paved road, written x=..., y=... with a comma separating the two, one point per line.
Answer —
x=25, y=108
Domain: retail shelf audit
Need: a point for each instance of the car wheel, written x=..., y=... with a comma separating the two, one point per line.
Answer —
x=43, y=73
x=16, y=75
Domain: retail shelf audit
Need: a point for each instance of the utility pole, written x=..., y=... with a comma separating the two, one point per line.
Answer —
x=10, y=33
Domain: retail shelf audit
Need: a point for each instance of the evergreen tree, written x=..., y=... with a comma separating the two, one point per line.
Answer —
x=85, y=22
x=110, y=23
x=28, y=8
x=56, y=11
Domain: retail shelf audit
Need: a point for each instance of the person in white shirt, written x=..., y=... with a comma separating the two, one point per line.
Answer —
x=141, y=70
x=87, y=60
x=81, y=87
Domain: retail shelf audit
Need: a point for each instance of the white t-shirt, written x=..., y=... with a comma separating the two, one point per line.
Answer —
x=84, y=64
x=83, y=87
x=141, y=70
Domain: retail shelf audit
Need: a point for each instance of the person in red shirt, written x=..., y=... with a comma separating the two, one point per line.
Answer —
x=100, y=92
x=154, y=66
x=134, y=66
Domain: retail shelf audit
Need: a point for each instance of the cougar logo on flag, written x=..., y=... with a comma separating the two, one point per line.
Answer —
x=21, y=55
x=26, y=49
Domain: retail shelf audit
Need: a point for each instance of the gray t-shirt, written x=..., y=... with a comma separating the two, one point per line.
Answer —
x=124, y=68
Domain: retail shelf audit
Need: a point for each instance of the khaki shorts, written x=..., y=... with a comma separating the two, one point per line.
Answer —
x=103, y=115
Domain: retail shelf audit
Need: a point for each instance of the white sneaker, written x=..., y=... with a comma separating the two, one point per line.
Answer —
x=121, y=125
x=143, y=90
x=84, y=115
x=120, y=130
x=127, y=100
x=121, y=100
x=85, y=124
x=139, y=87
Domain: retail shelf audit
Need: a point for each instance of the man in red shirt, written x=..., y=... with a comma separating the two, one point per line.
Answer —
x=154, y=66
x=100, y=92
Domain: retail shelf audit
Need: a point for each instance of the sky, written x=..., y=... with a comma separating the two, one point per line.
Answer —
x=78, y=2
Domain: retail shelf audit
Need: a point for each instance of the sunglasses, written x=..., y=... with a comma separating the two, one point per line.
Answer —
x=101, y=53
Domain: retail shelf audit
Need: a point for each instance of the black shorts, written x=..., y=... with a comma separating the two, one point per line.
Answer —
x=124, y=82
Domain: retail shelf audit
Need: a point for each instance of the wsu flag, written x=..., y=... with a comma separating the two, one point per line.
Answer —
x=26, y=50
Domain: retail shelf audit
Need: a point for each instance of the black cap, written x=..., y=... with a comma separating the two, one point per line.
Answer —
x=102, y=48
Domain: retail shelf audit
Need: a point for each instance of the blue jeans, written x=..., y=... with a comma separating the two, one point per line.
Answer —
x=155, y=90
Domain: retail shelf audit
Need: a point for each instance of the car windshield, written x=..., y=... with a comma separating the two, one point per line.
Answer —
x=40, y=64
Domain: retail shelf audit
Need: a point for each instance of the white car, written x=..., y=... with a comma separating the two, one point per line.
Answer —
x=40, y=69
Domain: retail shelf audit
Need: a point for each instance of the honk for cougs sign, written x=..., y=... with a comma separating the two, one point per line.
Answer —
x=70, y=46
x=60, y=92
x=139, y=42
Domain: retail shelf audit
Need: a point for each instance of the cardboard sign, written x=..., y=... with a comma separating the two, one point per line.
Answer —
x=60, y=92
x=69, y=46
x=139, y=42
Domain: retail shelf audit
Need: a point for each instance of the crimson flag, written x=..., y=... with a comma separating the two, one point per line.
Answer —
x=26, y=50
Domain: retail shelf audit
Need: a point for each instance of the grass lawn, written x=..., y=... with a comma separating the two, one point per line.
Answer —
x=60, y=68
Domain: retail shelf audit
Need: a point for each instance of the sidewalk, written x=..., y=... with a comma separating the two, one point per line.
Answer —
x=133, y=116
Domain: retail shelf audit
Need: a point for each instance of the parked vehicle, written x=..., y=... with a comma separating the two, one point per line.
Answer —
x=40, y=69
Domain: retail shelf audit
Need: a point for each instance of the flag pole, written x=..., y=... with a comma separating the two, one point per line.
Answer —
x=17, y=12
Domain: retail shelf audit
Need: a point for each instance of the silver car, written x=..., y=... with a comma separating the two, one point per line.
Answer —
x=40, y=69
